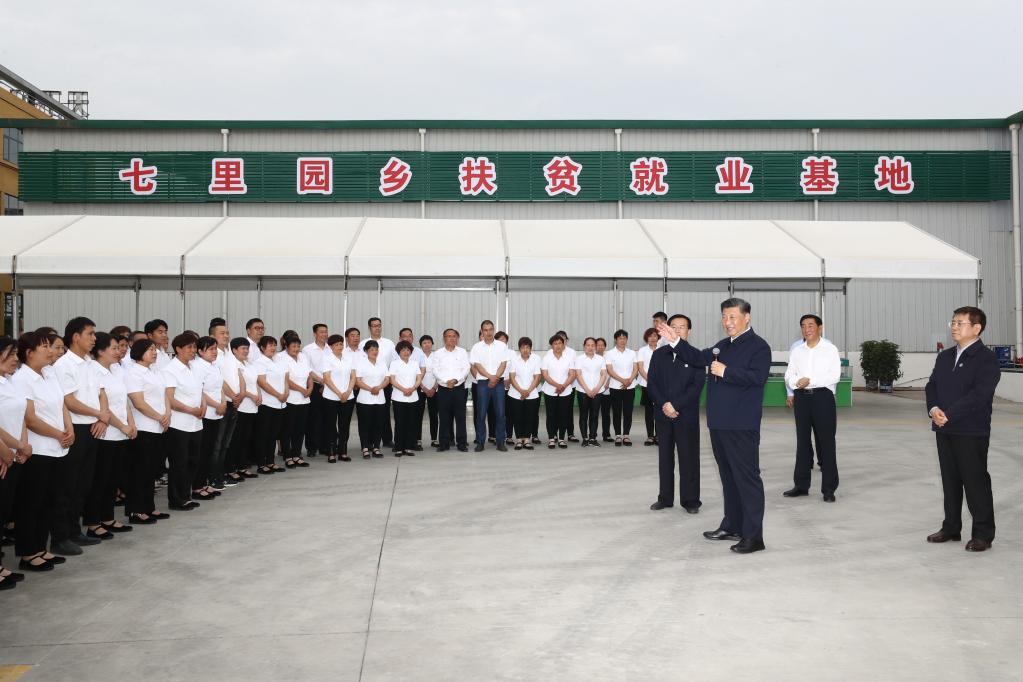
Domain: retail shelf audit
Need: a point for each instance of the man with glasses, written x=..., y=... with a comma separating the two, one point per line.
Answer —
x=960, y=393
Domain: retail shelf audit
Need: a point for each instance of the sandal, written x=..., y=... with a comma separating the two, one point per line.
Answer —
x=332, y=459
x=562, y=444
x=365, y=453
x=410, y=453
x=289, y=463
x=518, y=446
x=552, y=444
x=648, y=441
x=301, y=462
x=626, y=442
x=527, y=445
x=618, y=441
x=344, y=457
x=377, y=453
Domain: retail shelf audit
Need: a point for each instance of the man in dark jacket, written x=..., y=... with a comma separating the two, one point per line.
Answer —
x=674, y=387
x=739, y=366
x=960, y=393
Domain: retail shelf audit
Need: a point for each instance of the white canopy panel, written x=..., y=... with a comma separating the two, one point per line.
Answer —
x=274, y=247
x=731, y=249
x=116, y=245
x=18, y=233
x=416, y=247
x=581, y=248
x=881, y=250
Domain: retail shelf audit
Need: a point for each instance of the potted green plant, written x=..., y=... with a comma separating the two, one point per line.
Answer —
x=888, y=361
x=868, y=363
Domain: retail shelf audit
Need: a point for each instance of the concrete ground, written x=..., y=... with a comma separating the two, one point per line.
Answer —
x=548, y=566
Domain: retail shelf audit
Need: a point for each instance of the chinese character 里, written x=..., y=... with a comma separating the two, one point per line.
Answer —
x=228, y=177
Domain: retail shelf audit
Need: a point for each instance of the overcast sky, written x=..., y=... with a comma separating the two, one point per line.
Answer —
x=528, y=59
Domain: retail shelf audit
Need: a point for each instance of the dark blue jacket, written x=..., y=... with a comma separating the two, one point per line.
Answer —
x=735, y=402
x=673, y=380
x=964, y=391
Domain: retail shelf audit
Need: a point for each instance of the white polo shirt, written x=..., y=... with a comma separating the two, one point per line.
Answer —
x=643, y=355
x=623, y=362
x=386, y=354
x=316, y=356
x=250, y=372
x=298, y=371
x=558, y=369
x=230, y=371
x=340, y=371
x=153, y=387
x=163, y=358
x=429, y=378
x=405, y=373
x=76, y=377
x=113, y=386
x=821, y=364
x=489, y=356
x=353, y=354
x=276, y=375
x=589, y=371
x=372, y=374
x=48, y=401
x=525, y=371
x=187, y=390
x=448, y=365
x=212, y=382
x=12, y=408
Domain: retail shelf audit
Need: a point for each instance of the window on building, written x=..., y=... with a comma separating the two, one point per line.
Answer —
x=13, y=205
x=12, y=144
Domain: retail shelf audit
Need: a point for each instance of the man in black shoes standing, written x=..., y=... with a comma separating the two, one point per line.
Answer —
x=960, y=393
x=739, y=366
x=674, y=386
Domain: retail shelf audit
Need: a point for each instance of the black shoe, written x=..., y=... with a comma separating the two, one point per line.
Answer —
x=159, y=516
x=796, y=492
x=502, y=448
x=692, y=510
x=15, y=577
x=418, y=447
x=586, y=443
x=398, y=453
x=107, y=535
x=463, y=448
x=943, y=536
x=721, y=534
x=67, y=548
x=29, y=566
x=658, y=505
x=594, y=442
x=134, y=518
x=7, y=584
x=410, y=453
x=608, y=439
x=748, y=546
x=478, y=448
x=248, y=474
x=535, y=440
x=443, y=448
x=84, y=541
x=181, y=507
x=829, y=497
x=573, y=439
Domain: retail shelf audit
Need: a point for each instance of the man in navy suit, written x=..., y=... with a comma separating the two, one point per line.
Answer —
x=739, y=366
x=960, y=393
x=674, y=387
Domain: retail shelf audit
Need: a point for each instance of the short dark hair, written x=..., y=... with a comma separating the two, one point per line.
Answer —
x=563, y=334
x=76, y=325
x=501, y=334
x=402, y=345
x=404, y=329
x=352, y=329
x=289, y=337
x=239, y=341
x=248, y=325
x=648, y=332
x=601, y=339
x=103, y=341
x=6, y=343
x=317, y=326
x=525, y=341
x=620, y=333
x=743, y=305
x=590, y=338
x=205, y=342
x=425, y=337
x=811, y=316
x=370, y=321
x=370, y=344
x=684, y=317
x=659, y=315
x=139, y=348
x=153, y=325
x=975, y=314
x=120, y=330
x=335, y=338
x=556, y=337
x=484, y=323
x=217, y=322
x=137, y=332
x=184, y=339
x=265, y=341
x=30, y=341
x=451, y=329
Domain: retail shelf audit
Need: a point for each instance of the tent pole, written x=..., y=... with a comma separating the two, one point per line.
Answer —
x=138, y=302
x=223, y=304
x=845, y=325
x=422, y=312
x=979, y=291
x=614, y=301
x=259, y=297
x=344, y=307
x=664, y=289
x=380, y=297
x=497, y=303
x=507, y=306
x=14, y=330
x=184, y=324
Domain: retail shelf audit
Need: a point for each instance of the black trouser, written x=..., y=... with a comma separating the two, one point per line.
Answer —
x=145, y=457
x=605, y=415
x=314, y=422
x=677, y=436
x=338, y=420
x=387, y=436
x=242, y=443
x=571, y=404
x=183, y=456
x=559, y=415
x=405, y=430
x=76, y=473
x=222, y=431
x=622, y=400
x=589, y=411
x=737, y=454
x=648, y=412
x=815, y=413
x=99, y=505
x=8, y=494
x=371, y=424
x=963, y=462
x=296, y=418
x=451, y=416
x=525, y=416
x=427, y=404
x=270, y=428
x=35, y=512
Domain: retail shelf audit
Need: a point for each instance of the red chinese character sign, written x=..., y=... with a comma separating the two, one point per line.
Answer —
x=562, y=175
x=477, y=175
x=228, y=177
x=733, y=176
x=648, y=176
x=893, y=173
x=140, y=177
x=395, y=177
x=315, y=175
x=819, y=175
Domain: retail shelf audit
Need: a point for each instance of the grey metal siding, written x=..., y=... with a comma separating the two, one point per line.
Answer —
x=44, y=140
x=914, y=140
x=715, y=140
x=322, y=140
x=519, y=140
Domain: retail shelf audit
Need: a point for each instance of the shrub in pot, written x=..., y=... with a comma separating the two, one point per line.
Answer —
x=868, y=363
x=888, y=364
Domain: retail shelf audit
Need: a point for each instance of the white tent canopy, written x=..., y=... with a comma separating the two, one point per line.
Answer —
x=581, y=248
x=22, y=232
x=395, y=247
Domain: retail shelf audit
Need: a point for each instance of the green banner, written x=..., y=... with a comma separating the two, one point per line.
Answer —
x=515, y=176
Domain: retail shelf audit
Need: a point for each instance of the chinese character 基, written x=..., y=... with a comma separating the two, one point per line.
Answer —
x=315, y=175
x=139, y=176
x=819, y=175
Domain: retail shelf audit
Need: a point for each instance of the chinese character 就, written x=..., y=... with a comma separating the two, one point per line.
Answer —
x=648, y=176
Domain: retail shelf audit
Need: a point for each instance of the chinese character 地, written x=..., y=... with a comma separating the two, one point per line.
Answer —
x=895, y=174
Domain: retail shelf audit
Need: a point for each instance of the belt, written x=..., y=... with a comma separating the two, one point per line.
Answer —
x=811, y=391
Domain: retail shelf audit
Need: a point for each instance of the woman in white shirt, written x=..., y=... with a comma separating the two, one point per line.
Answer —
x=212, y=382
x=643, y=355
x=147, y=393
x=185, y=398
x=524, y=393
x=622, y=368
x=605, y=398
x=339, y=400
x=14, y=447
x=591, y=375
x=300, y=385
x=50, y=433
x=427, y=393
x=371, y=378
x=272, y=380
x=509, y=424
x=113, y=444
x=558, y=377
x=405, y=376
x=243, y=451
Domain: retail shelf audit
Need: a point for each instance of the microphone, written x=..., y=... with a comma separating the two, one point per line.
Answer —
x=716, y=351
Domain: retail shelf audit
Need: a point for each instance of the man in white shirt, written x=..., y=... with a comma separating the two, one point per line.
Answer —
x=450, y=365
x=659, y=318
x=230, y=371
x=157, y=331
x=813, y=373
x=89, y=416
x=254, y=331
x=489, y=357
x=316, y=354
x=387, y=356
